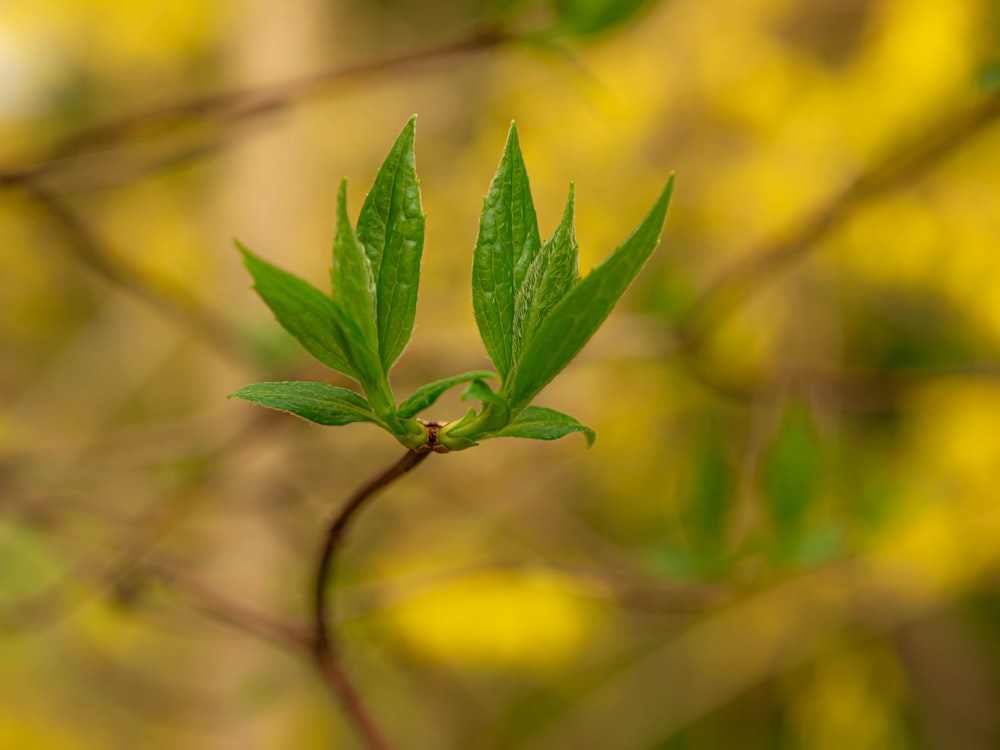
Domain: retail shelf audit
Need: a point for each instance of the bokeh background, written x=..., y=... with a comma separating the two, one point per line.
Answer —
x=787, y=534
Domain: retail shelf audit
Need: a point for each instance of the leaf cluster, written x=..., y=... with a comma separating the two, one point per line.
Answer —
x=533, y=310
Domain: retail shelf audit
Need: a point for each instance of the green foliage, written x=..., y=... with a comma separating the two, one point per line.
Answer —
x=539, y=423
x=507, y=244
x=792, y=475
x=302, y=310
x=592, y=16
x=426, y=395
x=534, y=312
x=560, y=333
x=317, y=402
x=711, y=491
x=391, y=229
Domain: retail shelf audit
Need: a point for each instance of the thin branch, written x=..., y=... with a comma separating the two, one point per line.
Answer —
x=336, y=528
x=220, y=607
x=242, y=104
x=323, y=642
x=175, y=304
x=900, y=167
x=854, y=390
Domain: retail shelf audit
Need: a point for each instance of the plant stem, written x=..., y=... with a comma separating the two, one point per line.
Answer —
x=323, y=642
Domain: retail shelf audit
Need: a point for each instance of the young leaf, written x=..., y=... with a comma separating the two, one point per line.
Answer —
x=317, y=402
x=478, y=390
x=302, y=310
x=354, y=290
x=507, y=244
x=494, y=415
x=391, y=228
x=539, y=423
x=793, y=468
x=550, y=276
x=367, y=368
x=351, y=277
x=426, y=395
x=571, y=323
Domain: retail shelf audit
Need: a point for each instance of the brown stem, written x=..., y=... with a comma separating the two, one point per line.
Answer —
x=323, y=645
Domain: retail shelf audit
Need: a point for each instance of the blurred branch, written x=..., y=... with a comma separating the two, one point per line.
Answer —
x=239, y=105
x=174, y=303
x=227, y=108
x=219, y=606
x=807, y=617
x=852, y=390
x=31, y=613
x=900, y=167
x=119, y=573
x=323, y=645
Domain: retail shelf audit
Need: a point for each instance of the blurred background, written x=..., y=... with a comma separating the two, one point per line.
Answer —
x=787, y=534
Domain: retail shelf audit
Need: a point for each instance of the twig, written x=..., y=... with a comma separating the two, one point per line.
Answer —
x=220, y=607
x=323, y=643
x=81, y=242
x=901, y=166
x=854, y=390
x=240, y=104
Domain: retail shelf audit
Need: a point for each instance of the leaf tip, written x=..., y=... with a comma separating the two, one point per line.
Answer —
x=512, y=140
x=669, y=188
x=406, y=134
x=250, y=260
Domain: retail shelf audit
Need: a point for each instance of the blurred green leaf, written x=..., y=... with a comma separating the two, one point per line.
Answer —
x=508, y=242
x=988, y=76
x=426, y=395
x=391, y=228
x=792, y=469
x=575, y=319
x=711, y=489
x=593, y=16
x=317, y=402
x=302, y=310
x=539, y=423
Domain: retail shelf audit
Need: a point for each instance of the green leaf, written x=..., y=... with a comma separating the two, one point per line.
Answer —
x=316, y=402
x=495, y=413
x=539, y=423
x=710, y=491
x=426, y=395
x=354, y=290
x=593, y=16
x=550, y=276
x=793, y=469
x=571, y=323
x=391, y=228
x=302, y=310
x=351, y=277
x=508, y=242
